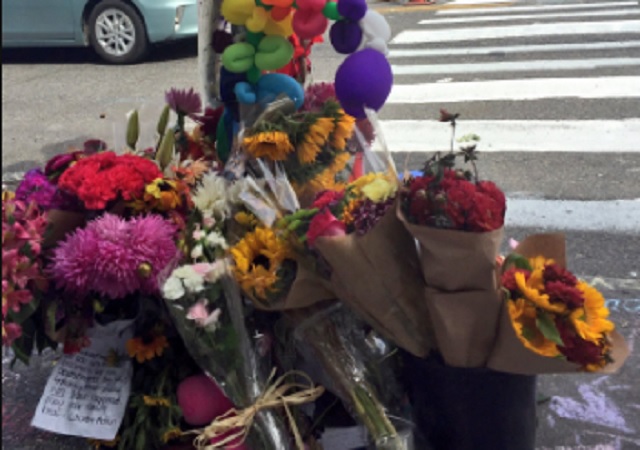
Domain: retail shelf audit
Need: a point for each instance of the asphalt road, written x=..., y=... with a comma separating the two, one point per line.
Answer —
x=56, y=98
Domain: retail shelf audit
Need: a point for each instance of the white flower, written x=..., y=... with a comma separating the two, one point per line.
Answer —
x=216, y=271
x=173, y=289
x=216, y=239
x=197, y=251
x=198, y=234
x=211, y=196
x=192, y=280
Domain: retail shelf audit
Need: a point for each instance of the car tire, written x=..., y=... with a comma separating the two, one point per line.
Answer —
x=117, y=32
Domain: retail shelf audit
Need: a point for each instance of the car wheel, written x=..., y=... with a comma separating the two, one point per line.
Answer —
x=117, y=32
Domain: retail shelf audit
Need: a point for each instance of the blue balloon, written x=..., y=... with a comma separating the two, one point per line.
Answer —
x=272, y=85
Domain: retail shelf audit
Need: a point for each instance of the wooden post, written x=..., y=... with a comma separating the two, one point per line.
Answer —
x=208, y=18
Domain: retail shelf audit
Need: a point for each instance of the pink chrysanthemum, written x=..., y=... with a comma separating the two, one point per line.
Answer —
x=114, y=257
x=182, y=101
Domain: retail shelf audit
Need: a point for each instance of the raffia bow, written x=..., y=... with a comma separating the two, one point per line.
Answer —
x=235, y=424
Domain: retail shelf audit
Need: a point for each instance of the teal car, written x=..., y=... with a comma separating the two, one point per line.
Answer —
x=120, y=31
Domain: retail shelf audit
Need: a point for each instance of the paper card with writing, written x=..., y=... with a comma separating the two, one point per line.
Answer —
x=87, y=393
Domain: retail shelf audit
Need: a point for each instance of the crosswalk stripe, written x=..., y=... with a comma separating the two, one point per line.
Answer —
x=515, y=66
x=516, y=31
x=419, y=52
x=603, y=136
x=518, y=9
x=456, y=20
x=520, y=89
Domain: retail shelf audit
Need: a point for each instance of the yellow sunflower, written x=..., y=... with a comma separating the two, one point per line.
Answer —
x=591, y=321
x=523, y=318
x=274, y=145
x=258, y=257
x=320, y=131
x=343, y=131
x=307, y=151
x=146, y=348
x=530, y=289
x=339, y=162
x=245, y=219
x=347, y=214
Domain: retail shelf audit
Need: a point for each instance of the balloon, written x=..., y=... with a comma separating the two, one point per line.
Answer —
x=363, y=79
x=237, y=12
x=254, y=38
x=376, y=30
x=352, y=9
x=201, y=400
x=282, y=28
x=238, y=57
x=311, y=5
x=245, y=93
x=271, y=85
x=279, y=13
x=273, y=53
x=345, y=36
x=308, y=23
x=258, y=20
x=253, y=74
x=330, y=11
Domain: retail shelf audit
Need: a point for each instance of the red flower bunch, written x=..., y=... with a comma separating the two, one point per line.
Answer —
x=101, y=178
x=454, y=202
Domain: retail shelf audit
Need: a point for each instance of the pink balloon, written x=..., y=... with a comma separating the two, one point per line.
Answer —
x=308, y=23
x=201, y=400
x=313, y=5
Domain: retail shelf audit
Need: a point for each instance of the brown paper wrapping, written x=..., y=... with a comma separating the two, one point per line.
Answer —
x=459, y=268
x=510, y=355
x=378, y=276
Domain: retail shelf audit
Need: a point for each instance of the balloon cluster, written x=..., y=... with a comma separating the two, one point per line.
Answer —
x=362, y=81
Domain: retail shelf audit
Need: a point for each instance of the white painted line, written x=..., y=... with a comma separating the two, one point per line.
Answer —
x=412, y=53
x=452, y=20
x=523, y=89
x=476, y=2
x=538, y=8
x=515, y=66
x=583, y=136
x=611, y=216
x=515, y=31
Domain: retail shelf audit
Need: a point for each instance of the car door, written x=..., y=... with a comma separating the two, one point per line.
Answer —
x=38, y=21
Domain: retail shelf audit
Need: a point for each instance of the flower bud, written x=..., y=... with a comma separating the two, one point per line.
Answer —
x=144, y=270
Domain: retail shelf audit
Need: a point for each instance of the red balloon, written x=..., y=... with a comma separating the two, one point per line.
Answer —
x=308, y=24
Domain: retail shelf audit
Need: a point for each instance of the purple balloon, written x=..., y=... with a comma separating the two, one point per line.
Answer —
x=352, y=9
x=363, y=79
x=345, y=36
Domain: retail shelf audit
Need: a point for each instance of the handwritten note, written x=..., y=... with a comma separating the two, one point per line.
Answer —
x=87, y=393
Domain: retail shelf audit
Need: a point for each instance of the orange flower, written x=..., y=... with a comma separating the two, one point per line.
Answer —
x=145, y=349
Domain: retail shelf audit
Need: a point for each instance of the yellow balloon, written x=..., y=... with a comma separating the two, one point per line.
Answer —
x=238, y=12
x=258, y=20
x=282, y=28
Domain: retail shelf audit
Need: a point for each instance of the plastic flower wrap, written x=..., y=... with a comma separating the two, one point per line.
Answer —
x=458, y=221
x=552, y=321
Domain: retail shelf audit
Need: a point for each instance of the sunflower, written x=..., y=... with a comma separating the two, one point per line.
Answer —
x=320, y=131
x=343, y=131
x=155, y=401
x=347, y=213
x=307, y=151
x=339, y=162
x=146, y=348
x=274, y=145
x=523, y=317
x=245, y=219
x=171, y=434
x=258, y=258
x=590, y=321
x=529, y=289
x=161, y=195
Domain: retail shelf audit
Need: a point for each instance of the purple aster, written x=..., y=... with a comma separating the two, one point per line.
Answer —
x=36, y=187
x=114, y=257
x=183, y=102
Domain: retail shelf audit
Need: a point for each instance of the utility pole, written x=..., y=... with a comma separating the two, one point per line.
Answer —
x=208, y=61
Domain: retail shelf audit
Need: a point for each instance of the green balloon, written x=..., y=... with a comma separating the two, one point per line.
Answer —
x=330, y=11
x=253, y=75
x=273, y=53
x=254, y=38
x=238, y=57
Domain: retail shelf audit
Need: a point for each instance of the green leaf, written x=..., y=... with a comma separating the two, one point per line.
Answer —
x=548, y=328
x=517, y=260
x=133, y=129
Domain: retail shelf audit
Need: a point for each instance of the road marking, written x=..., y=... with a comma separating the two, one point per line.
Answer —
x=439, y=8
x=452, y=20
x=538, y=8
x=583, y=136
x=412, y=53
x=515, y=66
x=522, y=89
x=516, y=31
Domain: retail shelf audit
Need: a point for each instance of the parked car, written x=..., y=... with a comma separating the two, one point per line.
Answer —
x=120, y=31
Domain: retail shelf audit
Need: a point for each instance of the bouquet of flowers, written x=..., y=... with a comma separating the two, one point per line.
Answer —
x=458, y=221
x=552, y=321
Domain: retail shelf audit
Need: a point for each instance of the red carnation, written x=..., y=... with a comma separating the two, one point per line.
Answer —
x=554, y=272
x=489, y=188
x=459, y=202
x=327, y=198
x=576, y=349
x=563, y=293
x=509, y=280
x=324, y=224
x=486, y=214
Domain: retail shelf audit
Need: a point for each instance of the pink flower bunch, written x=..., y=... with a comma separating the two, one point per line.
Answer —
x=114, y=257
x=23, y=226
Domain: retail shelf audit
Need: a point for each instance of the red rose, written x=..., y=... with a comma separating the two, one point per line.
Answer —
x=324, y=224
x=327, y=199
x=563, y=293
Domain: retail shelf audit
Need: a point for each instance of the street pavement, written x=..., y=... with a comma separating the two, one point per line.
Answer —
x=551, y=87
